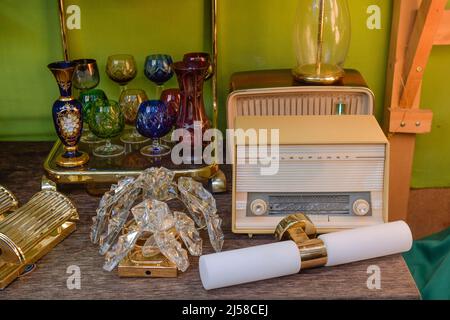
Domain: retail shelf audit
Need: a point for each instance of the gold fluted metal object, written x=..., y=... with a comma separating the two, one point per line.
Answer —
x=8, y=201
x=32, y=231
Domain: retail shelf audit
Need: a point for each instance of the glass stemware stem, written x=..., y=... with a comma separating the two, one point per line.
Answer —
x=156, y=143
x=159, y=90
x=108, y=144
x=123, y=88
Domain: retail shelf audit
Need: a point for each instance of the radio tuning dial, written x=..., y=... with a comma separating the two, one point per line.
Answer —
x=259, y=207
x=361, y=207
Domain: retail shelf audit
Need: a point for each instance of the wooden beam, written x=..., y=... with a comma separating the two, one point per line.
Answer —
x=416, y=26
x=415, y=121
x=401, y=164
x=402, y=145
x=422, y=35
x=402, y=23
x=443, y=34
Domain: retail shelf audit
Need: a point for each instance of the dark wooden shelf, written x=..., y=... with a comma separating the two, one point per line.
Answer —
x=21, y=171
x=279, y=78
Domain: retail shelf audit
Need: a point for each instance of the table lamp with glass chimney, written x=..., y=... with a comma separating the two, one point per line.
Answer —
x=322, y=39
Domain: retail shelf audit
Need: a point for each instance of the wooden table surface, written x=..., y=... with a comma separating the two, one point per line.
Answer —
x=21, y=172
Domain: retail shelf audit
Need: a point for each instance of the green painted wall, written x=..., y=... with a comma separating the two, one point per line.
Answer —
x=254, y=34
x=28, y=42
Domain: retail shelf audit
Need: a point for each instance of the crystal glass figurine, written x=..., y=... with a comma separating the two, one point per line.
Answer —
x=152, y=226
x=188, y=233
x=202, y=206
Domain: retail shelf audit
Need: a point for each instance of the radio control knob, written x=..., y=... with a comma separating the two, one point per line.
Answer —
x=361, y=207
x=259, y=207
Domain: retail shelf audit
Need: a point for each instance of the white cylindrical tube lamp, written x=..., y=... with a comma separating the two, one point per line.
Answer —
x=285, y=258
x=367, y=243
x=249, y=265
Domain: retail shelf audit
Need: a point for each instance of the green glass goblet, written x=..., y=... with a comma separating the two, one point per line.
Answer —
x=106, y=121
x=87, y=98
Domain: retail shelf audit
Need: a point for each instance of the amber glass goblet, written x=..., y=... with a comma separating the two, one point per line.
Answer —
x=121, y=68
x=86, y=75
x=106, y=121
x=130, y=100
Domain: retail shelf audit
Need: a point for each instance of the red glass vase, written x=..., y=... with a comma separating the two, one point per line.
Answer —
x=191, y=77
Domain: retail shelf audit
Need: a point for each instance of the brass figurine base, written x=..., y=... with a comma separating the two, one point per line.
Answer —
x=323, y=74
x=137, y=266
x=72, y=162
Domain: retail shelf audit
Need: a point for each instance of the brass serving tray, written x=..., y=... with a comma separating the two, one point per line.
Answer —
x=110, y=170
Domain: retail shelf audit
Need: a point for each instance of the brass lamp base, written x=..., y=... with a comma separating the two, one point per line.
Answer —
x=72, y=162
x=324, y=74
x=301, y=230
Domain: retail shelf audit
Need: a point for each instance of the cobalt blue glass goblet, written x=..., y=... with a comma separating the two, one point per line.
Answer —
x=154, y=122
x=158, y=69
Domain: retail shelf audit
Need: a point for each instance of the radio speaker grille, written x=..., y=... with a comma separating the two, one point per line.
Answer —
x=309, y=169
x=298, y=101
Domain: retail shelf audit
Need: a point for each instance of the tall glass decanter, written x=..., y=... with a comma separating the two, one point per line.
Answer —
x=322, y=39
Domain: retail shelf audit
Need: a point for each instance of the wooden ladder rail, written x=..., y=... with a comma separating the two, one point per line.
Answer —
x=417, y=25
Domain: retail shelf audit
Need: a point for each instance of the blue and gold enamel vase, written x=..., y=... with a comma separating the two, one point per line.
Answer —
x=67, y=116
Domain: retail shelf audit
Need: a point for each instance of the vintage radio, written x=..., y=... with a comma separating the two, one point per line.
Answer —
x=334, y=169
